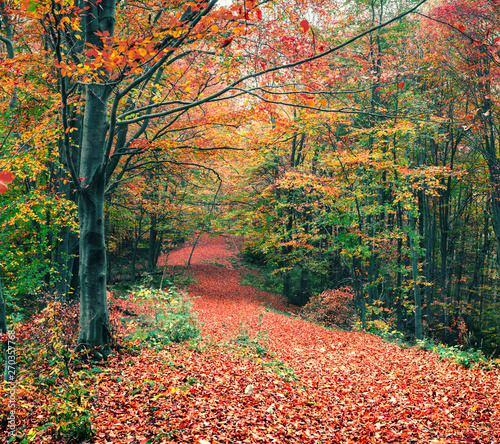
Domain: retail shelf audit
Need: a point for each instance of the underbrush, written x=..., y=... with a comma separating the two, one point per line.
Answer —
x=466, y=357
x=174, y=276
x=53, y=399
x=261, y=279
x=334, y=308
x=50, y=380
x=162, y=317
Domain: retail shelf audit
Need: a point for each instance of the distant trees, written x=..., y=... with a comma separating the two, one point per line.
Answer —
x=373, y=165
x=394, y=193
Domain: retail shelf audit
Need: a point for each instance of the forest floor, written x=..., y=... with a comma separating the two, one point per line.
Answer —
x=263, y=376
x=296, y=382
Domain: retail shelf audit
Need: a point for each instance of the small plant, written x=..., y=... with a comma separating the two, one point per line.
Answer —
x=166, y=317
x=279, y=368
x=256, y=343
x=70, y=415
x=217, y=264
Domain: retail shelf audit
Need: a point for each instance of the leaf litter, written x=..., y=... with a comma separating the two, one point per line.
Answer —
x=259, y=376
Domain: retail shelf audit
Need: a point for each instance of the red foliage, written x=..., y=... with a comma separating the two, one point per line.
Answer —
x=226, y=42
x=5, y=178
x=332, y=307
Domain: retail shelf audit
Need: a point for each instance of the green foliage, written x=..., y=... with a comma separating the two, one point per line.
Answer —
x=488, y=340
x=263, y=279
x=217, y=264
x=29, y=230
x=385, y=330
x=167, y=317
x=70, y=416
x=466, y=358
x=252, y=254
x=280, y=369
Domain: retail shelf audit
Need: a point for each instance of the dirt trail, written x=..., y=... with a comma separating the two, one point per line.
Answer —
x=217, y=281
x=354, y=387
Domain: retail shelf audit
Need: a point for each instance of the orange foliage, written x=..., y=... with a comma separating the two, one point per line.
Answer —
x=331, y=307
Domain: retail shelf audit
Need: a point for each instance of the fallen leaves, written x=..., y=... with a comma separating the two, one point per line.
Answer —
x=317, y=385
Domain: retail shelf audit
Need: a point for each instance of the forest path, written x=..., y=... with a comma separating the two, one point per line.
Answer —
x=349, y=386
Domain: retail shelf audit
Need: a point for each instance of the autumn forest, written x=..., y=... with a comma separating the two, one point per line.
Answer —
x=250, y=221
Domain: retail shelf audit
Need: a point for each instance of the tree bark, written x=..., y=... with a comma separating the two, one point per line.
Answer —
x=414, y=270
x=153, y=240
x=9, y=373
x=94, y=330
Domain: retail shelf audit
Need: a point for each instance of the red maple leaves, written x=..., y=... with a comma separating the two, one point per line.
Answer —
x=225, y=42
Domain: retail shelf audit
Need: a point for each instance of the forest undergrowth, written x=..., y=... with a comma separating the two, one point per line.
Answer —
x=256, y=375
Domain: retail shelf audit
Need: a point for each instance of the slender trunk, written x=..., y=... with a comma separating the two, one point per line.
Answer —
x=64, y=257
x=138, y=235
x=358, y=291
x=153, y=239
x=399, y=277
x=445, y=254
x=430, y=242
x=304, y=285
x=414, y=270
x=9, y=373
x=494, y=168
x=287, y=285
x=194, y=246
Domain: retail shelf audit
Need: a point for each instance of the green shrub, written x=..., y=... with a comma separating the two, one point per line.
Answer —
x=166, y=318
x=466, y=358
x=47, y=366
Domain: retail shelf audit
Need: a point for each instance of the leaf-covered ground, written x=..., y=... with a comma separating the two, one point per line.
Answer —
x=320, y=386
x=314, y=385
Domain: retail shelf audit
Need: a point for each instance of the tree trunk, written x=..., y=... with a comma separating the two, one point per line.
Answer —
x=494, y=168
x=304, y=285
x=287, y=285
x=9, y=373
x=414, y=270
x=358, y=291
x=94, y=329
x=64, y=257
x=153, y=240
x=430, y=246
